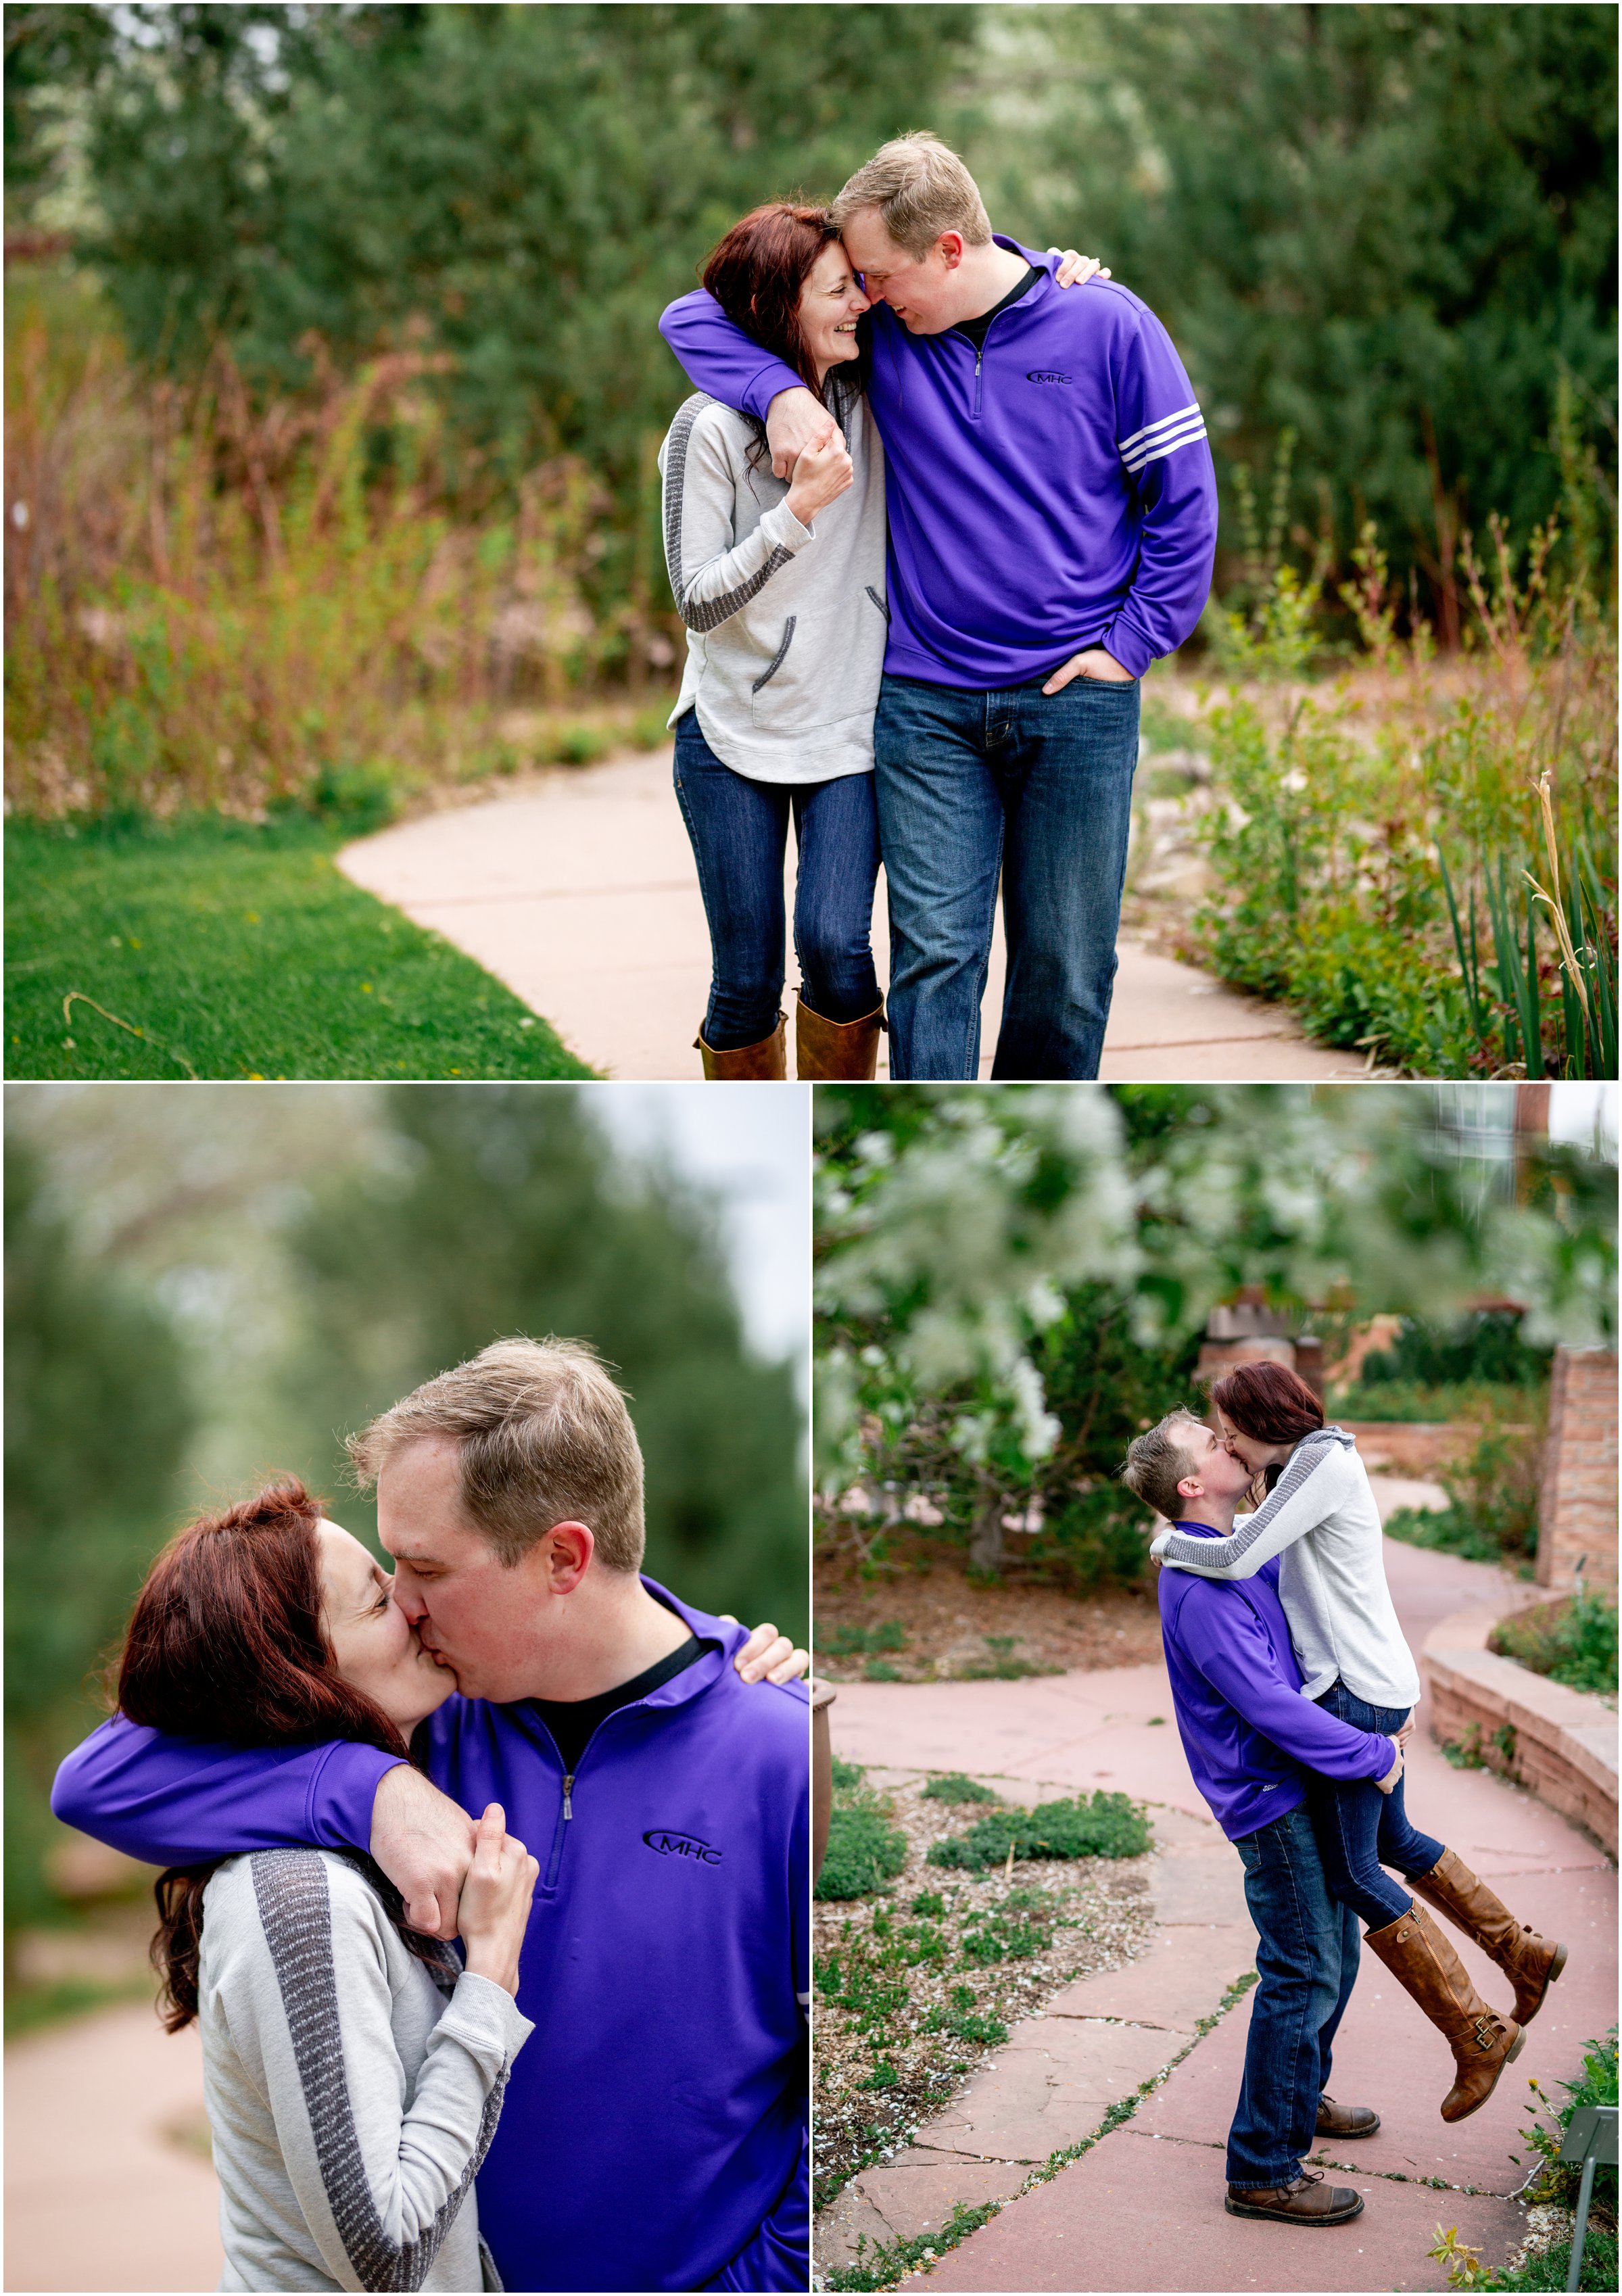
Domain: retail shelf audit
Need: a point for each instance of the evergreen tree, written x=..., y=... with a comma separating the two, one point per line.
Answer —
x=1391, y=230
x=97, y=1417
x=503, y=1212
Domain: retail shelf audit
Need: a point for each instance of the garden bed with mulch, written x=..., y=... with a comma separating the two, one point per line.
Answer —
x=917, y=1616
x=919, y=1979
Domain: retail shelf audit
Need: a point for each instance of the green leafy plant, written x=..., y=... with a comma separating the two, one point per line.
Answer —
x=844, y=1641
x=1386, y=888
x=865, y=1850
x=1106, y=1825
x=1556, y=2181
x=1486, y=1347
x=1491, y=1513
x=881, y=2263
x=1573, y=1642
x=956, y=1788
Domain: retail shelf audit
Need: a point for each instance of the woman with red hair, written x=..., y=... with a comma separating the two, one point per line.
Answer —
x=354, y=2069
x=782, y=586
x=1320, y=1520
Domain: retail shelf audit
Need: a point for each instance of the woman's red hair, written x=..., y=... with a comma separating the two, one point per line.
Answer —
x=227, y=1641
x=1268, y=1402
x=758, y=271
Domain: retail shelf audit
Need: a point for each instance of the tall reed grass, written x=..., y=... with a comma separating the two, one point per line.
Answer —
x=215, y=604
x=1417, y=851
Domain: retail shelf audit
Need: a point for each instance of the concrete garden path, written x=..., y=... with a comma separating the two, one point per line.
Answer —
x=1143, y=2210
x=578, y=892
x=109, y=2184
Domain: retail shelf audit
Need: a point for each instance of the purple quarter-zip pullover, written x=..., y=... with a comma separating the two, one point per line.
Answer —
x=1050, y=491
x=653, y=2135
x=1248, y=1734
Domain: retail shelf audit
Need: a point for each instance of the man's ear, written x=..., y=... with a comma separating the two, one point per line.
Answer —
x=568, y=1549
x=950, y=248
x=1190, y=1488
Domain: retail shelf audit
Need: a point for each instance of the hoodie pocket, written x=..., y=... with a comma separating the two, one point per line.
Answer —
x=878, y=601
x=778, y=659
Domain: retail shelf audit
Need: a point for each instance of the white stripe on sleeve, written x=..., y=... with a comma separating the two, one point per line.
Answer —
x=1166, y=444
x=1166, y=422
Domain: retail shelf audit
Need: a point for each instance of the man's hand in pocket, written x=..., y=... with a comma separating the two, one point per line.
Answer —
x=1094, y=663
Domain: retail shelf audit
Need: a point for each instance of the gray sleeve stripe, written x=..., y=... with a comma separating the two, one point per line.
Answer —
x=709, y=613
x=712, y=612
x=1303, y=1462
x=291, y=1888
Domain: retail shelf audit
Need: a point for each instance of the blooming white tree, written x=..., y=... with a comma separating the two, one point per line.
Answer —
x=955, y=1223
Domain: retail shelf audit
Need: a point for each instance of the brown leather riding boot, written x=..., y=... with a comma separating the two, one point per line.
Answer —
x=836, y=1048
x=1425, y=1965
x=1309, y=2200
x=1531, y=1963
x=751, y=1063
x=1346, y=2120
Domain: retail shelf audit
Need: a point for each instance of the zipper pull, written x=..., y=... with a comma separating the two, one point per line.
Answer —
x=979, y=355
x=568, y=1781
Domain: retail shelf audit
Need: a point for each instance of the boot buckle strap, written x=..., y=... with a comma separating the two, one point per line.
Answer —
x=1486, y=2037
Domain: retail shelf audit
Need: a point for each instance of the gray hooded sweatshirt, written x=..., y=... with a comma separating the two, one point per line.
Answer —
x=786, y=624
x=352, y=2091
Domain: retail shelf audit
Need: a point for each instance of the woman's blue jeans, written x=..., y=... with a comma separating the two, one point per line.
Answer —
x=1362, y=1831
x=1307, y=1965
x=740, y=831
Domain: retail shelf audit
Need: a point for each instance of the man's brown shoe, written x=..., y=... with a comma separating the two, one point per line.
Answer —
x=1419, y=1956
x=1346, y=2120
x=1531, y=1963
x=1309, y=2200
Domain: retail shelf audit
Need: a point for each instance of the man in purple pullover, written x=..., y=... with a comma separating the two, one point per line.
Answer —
x=1053, y=525
x=654, y=2131
x=1250, y=1737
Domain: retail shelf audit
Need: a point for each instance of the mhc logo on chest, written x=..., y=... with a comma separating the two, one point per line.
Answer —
x=671, y=1844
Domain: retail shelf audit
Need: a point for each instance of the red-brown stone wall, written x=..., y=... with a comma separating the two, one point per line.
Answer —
x=1577, y=1512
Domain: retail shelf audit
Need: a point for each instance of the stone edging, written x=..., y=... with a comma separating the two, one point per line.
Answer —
x=1560, y=1742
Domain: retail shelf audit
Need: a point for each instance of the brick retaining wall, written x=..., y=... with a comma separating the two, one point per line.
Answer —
x=1562, y=1743
x=1411, y=1447
x=1577, y=1506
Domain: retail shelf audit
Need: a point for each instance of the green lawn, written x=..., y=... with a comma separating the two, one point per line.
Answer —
x=217, y=948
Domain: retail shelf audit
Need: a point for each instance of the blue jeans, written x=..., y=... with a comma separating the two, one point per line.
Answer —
x=740, y=831
x=1038, y=788
x=1360, y=1829
x=1307, y=1965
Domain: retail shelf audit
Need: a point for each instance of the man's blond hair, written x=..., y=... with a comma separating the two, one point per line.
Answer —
x=919, y=188
x=543, y=1436
x=1159, y=1461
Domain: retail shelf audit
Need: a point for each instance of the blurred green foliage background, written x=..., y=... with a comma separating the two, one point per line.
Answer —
x=215, y=1283
x=1390, y=229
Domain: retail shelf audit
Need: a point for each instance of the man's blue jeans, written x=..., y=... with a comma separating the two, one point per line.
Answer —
x=740, y=830
x=1306, y=1962
x=1038, y=788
